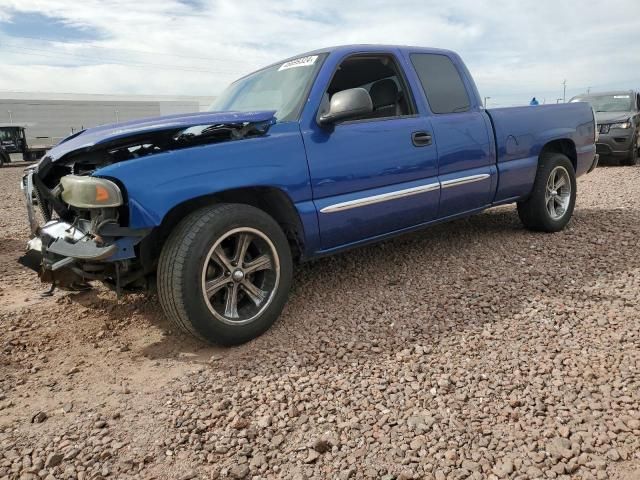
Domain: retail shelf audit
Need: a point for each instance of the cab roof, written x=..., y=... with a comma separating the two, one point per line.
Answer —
x=366, y=47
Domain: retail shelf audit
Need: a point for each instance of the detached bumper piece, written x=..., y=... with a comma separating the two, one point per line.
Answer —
x=81, y=250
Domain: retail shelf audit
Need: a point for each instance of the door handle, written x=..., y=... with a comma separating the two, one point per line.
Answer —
x=421, y=139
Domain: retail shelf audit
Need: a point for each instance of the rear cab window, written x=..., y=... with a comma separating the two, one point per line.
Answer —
x=441, y=83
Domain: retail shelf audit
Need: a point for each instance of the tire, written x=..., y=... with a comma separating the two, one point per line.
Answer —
x=550, y=210
x=632, y=159
x=250, y=249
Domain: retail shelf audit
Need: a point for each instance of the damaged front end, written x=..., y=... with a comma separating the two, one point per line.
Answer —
x=80, y=238
x=79, y=220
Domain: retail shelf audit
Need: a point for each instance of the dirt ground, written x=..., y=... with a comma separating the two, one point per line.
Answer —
x=474, y=350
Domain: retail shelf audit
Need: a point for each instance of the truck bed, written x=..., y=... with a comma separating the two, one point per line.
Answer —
x=521, y=132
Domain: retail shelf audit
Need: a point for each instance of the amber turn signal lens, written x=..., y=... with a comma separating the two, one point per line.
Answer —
x=102, y=194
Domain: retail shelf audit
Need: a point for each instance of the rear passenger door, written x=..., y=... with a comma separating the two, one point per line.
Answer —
x=462, y=135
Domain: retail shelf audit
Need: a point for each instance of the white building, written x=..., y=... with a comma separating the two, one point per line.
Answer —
x=50, y=117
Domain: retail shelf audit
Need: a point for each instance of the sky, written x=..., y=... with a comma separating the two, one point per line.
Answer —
x=514, y=49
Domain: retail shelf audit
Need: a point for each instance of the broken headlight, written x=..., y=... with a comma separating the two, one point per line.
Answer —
x=90, y=192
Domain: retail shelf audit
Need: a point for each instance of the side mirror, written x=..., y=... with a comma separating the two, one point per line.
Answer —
x=347, y=104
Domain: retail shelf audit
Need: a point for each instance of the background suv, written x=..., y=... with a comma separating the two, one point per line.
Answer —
x=618, y=118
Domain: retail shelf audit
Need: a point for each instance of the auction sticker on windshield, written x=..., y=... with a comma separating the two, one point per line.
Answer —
x=299, y=62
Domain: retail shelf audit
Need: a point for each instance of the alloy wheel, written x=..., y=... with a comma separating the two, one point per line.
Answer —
x=240, y=275
x=558, y=193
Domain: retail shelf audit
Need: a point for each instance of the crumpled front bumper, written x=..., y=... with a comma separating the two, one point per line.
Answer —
x=60, y=239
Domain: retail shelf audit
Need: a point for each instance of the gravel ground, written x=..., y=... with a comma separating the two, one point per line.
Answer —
x=472, y=350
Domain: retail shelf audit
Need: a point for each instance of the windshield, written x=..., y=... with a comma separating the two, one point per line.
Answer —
x=608, y=103
x=7, y=134
x=282, y=88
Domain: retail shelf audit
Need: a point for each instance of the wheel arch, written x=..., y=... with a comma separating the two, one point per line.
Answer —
x=271, y=200
x=564, y=146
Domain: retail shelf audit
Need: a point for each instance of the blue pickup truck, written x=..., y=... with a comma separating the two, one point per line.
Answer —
x=307, y=157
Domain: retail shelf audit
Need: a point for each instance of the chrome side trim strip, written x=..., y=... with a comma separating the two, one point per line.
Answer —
x=383, y=197
x=464, y=180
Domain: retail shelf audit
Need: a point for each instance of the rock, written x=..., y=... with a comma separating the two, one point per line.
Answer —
x=504, y=468
x=277, y=440
x=451, y=455
x=613, y=454
x=560, y=447
x=39, y=417
x=406, y=475
x=53, y=460
x=239, y=471
x=312, y=456
x=189, y=475
x=322, y=445
x=71, y=454
x=470, y=465
x=423, y=421
x=534, y=472
x=258, y=460
x=265, y=421
x=348, y=473
x=240, y=423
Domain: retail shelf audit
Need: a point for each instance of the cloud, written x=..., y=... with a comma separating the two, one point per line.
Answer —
x=515, y=50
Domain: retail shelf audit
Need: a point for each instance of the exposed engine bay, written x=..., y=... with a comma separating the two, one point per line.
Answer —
x=80, y=228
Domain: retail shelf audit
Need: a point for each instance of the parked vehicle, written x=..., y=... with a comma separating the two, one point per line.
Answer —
x=13, y=140
x=618, y=118
x=308, y=157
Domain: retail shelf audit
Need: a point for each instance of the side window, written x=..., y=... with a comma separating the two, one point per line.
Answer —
x=441, y=82
x=380, y=76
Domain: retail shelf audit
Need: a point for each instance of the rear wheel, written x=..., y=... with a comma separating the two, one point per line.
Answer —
x=224, y=274
x=550, y=205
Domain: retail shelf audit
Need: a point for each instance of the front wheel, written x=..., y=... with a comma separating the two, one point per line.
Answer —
x=224, y=274
x=632, y=159
x=551, y=203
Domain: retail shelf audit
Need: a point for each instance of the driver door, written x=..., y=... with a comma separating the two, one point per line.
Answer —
x=377, y=174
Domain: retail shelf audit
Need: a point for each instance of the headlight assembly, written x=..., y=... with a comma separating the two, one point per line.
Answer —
x=623, y=125
x=90, y=192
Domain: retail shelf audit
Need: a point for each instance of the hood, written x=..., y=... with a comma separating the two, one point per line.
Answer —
x=90, y=138
x=612, y=117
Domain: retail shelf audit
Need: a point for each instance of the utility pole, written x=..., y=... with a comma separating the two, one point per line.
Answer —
x=588, y=90
x=485, y=101
x=564, y=91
